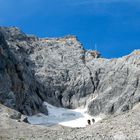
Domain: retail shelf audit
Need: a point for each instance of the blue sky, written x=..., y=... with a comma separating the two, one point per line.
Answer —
x=114, y=25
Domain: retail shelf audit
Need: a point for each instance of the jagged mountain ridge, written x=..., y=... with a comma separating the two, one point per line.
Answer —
x=61, y=72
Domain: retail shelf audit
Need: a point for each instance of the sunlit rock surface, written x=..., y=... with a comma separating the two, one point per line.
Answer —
x=61, y=72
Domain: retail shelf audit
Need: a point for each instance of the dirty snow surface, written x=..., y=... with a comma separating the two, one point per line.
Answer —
x=62, y=116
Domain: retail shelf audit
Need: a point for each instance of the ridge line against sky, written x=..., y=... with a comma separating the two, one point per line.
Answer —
x=114, y=25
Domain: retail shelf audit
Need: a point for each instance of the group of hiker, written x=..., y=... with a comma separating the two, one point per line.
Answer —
x=89, y=121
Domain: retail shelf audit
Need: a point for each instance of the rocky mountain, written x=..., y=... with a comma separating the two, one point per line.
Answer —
x=18, y=87
x=61, y=72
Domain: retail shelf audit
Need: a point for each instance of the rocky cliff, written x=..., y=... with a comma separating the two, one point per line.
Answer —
x=18, y=87
x=61, y=72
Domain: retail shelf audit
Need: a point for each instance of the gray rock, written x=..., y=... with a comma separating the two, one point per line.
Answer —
x=61, y=72
x=15, y=115
x=18, y=87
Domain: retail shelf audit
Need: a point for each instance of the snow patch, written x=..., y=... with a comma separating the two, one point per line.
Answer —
x=66, y=117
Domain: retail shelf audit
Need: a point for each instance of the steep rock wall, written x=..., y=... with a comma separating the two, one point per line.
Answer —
x=18, y=87
x=61, y=72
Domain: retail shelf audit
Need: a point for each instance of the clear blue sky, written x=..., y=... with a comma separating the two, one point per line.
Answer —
x=114, y=25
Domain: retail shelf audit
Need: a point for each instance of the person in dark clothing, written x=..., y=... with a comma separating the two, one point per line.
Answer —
x=93, y=120
x=89, y=122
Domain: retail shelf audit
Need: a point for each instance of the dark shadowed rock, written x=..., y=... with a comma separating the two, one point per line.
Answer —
x=18, y=87
x=15, y=115
x=25, y=120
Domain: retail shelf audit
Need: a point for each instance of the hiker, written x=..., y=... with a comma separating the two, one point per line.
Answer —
x=93, y=120
x=89, y=122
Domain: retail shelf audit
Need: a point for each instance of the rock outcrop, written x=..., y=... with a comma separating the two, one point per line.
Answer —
x=18, y=87
x=61, y=72
x=118, y=88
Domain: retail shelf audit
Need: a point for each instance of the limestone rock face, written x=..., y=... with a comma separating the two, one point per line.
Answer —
x=61, y=72
x=60, y=66
x=118, y=88
x=18, y=87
